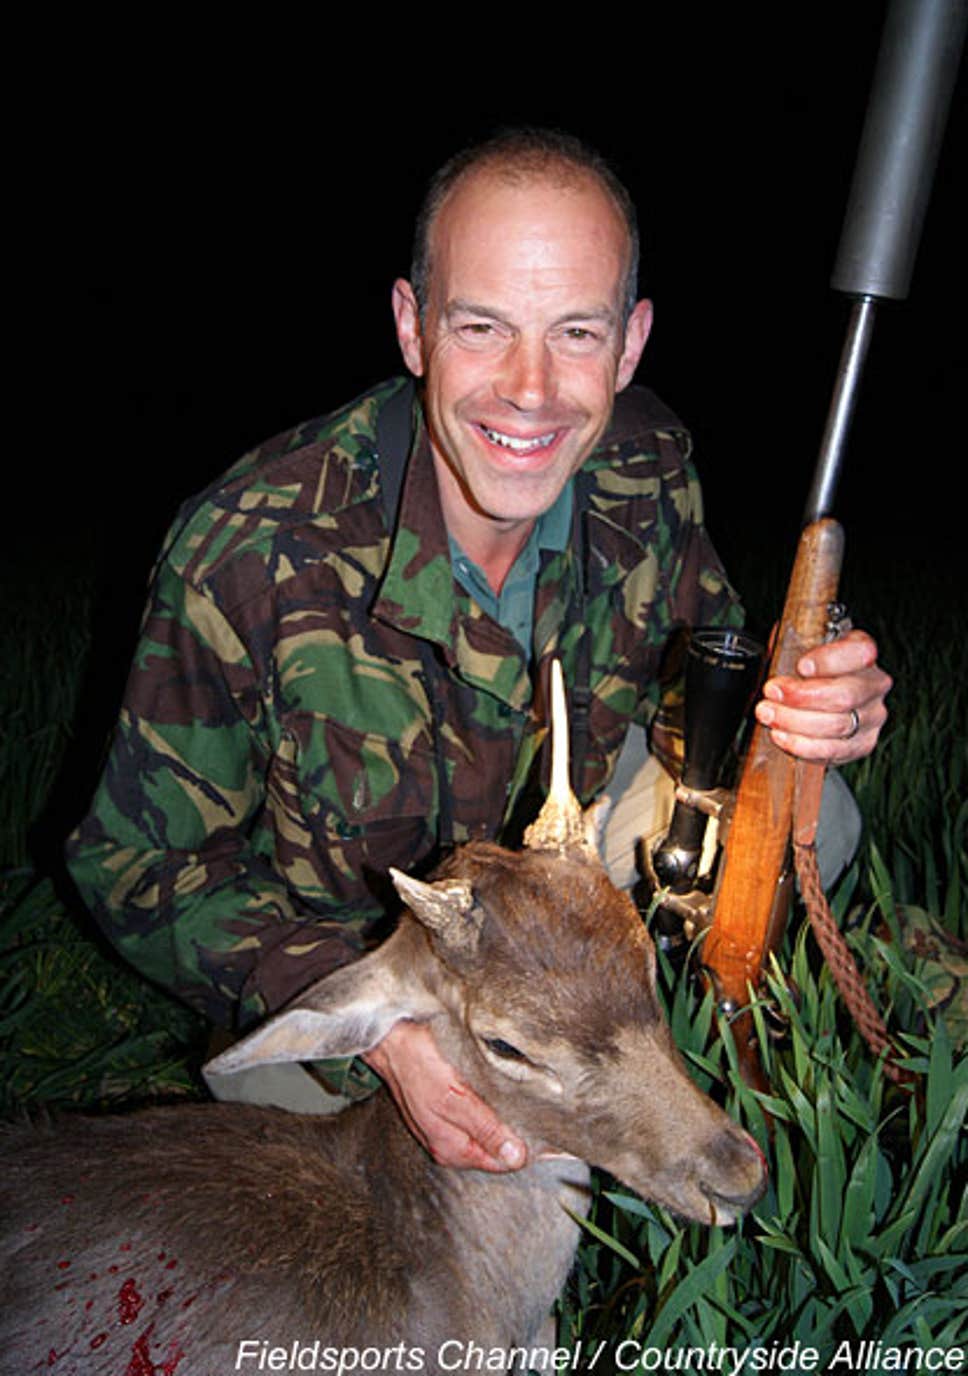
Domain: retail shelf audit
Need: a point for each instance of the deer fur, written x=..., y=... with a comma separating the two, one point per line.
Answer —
x=159, y=1241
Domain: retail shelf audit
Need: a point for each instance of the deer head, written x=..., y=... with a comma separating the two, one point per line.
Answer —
x=538, y=977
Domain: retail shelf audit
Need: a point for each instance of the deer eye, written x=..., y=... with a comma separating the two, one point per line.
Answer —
x=502, y=1048
x=518, y=1065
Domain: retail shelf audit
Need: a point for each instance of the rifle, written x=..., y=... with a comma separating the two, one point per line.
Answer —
x=745, y=913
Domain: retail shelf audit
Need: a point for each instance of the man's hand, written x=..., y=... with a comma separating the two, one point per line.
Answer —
x=835, y=709
x=442, y=1112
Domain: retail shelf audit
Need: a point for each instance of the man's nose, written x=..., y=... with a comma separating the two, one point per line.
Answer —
x=526, y=377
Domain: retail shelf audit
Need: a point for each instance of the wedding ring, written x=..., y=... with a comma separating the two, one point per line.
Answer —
x=854, y=727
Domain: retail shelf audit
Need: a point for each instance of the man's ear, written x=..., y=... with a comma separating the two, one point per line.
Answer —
x=406, y=313
x=637, y=330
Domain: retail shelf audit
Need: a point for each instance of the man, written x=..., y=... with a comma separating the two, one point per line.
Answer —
x=336, y=675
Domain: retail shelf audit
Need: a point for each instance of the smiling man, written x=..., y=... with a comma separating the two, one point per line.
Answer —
x=345, y=659
x=523, y=341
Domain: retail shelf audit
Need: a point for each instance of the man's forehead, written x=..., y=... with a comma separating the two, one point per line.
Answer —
x=490, y=210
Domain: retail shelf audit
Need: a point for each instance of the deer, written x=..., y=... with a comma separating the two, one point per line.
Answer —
x=203, y=1238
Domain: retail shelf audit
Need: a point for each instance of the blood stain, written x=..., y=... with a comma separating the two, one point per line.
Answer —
x=68, y=1199
x=99, y=1341
x=175, y=1355
x=129, y=1302
x=141, y=1364
x=63, y=1265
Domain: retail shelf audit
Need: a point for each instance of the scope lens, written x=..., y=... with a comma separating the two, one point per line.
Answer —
x=724, y=643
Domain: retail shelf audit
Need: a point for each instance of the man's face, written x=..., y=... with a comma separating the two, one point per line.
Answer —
x=523, y=346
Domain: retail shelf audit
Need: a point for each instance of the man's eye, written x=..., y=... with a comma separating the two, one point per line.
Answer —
x=476, y=330
x=580, y=335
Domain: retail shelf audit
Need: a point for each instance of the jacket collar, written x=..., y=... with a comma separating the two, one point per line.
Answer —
x=416, y=593
x=420, y=597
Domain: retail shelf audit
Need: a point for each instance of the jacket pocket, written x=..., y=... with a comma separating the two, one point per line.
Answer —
x=348, y=804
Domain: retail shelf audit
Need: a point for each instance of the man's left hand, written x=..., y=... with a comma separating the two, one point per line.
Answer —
x=833, y=708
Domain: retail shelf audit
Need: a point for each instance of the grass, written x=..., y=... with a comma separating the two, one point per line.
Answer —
x=77, y=1026
x=863, y=1234
x=864, y=1231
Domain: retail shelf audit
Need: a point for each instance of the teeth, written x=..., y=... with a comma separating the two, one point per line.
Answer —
x=518, y=446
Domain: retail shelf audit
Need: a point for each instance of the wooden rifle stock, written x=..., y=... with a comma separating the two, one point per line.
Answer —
x=751, y=896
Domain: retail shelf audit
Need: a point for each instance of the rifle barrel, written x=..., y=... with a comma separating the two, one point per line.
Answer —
x=833, y=445
x=906, y=115
x=916, y=69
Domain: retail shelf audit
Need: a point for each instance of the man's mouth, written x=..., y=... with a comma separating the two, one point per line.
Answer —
x=518, y=445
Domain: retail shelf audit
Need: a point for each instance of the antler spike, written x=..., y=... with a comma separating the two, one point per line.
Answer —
x=445, y=906
x=559, y=825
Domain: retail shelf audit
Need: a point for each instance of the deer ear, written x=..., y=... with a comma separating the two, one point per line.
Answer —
x=344, y=1014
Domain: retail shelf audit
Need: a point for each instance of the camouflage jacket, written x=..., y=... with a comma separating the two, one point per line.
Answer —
x=314, y=698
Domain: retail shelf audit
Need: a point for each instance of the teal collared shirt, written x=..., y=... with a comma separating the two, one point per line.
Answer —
x=513, y=606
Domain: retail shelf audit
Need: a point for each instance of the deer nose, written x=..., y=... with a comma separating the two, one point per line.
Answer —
x=739, y=1156
x=526, y=378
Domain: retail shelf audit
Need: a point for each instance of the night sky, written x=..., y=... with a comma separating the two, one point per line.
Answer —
x=247, y=258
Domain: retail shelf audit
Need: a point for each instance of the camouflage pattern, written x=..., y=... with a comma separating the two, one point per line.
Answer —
x=308, y=687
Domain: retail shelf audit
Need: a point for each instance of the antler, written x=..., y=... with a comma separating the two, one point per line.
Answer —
x=560, y=825
x=446, y=907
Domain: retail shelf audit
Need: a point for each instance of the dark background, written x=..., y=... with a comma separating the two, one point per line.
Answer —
x=248, y=234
